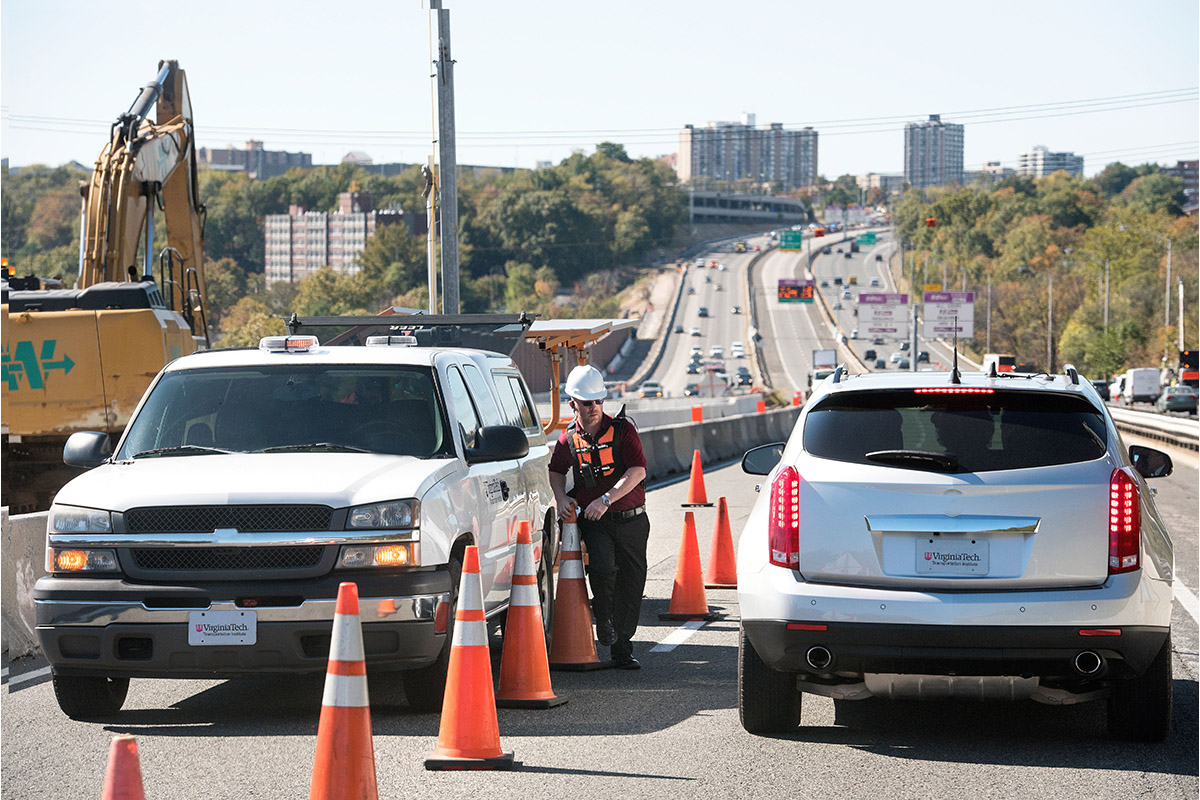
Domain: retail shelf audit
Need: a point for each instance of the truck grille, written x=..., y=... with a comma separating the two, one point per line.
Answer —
x=226, y=559
x=206, y=519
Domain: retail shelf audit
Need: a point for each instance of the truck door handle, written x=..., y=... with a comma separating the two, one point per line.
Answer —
x=504, y=489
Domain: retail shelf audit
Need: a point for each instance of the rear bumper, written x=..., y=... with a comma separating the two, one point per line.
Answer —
x=1019, y=651
x=115, y=628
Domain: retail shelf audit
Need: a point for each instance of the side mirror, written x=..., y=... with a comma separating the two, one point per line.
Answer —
x=498, y=443
x=87, y=449
x=761, y=460
x=1150, y=463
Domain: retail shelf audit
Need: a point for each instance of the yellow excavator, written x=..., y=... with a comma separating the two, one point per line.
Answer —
x=81, y=358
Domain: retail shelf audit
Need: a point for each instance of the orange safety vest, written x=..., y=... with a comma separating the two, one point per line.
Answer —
x=602, y=451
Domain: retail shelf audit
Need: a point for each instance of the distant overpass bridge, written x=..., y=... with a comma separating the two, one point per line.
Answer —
x=732, y=207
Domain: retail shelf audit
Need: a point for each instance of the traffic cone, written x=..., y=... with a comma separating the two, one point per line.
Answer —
x=696, y=495
x=722, y=567
x=572, y=645
x=469, y=736
x=344, y=765
x=524, y=668
x=688, y=600
x=123, y=778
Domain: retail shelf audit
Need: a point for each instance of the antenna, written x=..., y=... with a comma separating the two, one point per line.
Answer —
x=955, y=375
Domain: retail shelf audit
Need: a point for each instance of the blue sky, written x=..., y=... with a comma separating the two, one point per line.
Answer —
x=535, y=80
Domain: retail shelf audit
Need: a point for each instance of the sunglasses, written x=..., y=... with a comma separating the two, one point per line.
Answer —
x=586, y=403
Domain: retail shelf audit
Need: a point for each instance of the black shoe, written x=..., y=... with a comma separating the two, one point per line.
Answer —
x=626, y=662
x=606, y=634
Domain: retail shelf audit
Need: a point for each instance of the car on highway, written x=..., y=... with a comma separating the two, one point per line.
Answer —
x=691, y=390
x=742, y=377
x=895, y=357
x=869, y=355
x=695, y=330
x=839, y=249
x=824, y=283
x=846, y=295
x=737, y=350
x=837, y=306
x=880, y=364
x=904, y=364
x=723, y=268
x=650, y=389
x=703, y=312
x=837, y=281
x=904, y=346
x=678, y=328
x=847, y=254
x=854, y=333
x=878, y=257
x=1176, y=398
x=978, y=536
x=923, y=357
x=878, y=340
x=716, y=351
x=1101, y=388
x=875, y=281
x=736, y=310
x=691, y=290
x=827, y=251
x=694, y=367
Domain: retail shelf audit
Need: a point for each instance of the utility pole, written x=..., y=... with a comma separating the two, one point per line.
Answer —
x=431, y=236
x=1181, y=313
x=448, y=161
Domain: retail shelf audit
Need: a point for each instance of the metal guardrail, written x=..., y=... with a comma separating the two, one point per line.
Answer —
x=1175, y=431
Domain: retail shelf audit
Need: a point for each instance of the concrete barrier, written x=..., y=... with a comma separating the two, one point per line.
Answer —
x=668, y=450
x=22, y=562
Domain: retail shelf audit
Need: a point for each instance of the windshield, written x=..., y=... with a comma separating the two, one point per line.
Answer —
x=955, y=433
x=282, y=408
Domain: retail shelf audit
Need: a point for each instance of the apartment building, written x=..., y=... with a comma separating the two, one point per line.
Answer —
x=933, y=152
x=1040, y=162
x=255, y=160
x=733, y=151
x=302, y=241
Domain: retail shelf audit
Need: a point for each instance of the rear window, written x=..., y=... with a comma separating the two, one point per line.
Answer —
x=955, y=433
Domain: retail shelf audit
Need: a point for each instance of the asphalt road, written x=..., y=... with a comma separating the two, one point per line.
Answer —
x=668, y=731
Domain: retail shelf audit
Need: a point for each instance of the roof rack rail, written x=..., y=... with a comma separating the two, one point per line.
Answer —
x=481, y=331
x=1072, y=372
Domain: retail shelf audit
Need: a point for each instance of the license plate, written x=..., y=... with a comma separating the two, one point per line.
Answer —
x=937, y=555
x=207, y=628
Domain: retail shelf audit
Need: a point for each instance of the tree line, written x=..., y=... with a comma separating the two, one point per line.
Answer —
x=1103, y=243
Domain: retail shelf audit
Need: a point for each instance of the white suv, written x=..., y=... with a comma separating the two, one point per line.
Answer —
x=988, y=537
x=250, y=483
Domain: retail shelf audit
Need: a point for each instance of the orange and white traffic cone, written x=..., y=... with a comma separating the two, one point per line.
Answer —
x=696, y=497
x=524, y=668
x=722, y=566
x=688, y=600
x=469, y=735
x=344, y=766
x=572, y=645
x=123, y=778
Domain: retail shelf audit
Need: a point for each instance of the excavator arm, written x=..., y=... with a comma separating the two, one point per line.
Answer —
x=147, y=164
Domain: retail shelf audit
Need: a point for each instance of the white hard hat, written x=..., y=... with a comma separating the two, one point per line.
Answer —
x=586, y=383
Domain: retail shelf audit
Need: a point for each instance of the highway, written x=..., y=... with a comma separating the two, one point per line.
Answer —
x=668, y=731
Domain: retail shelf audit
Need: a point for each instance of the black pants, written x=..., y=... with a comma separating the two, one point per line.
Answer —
x=617, y=572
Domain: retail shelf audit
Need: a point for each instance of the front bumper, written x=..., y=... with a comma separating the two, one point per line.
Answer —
x=115, y=628
x=1017, y=650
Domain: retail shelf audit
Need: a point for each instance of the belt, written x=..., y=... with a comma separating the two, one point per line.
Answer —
x=629, y=514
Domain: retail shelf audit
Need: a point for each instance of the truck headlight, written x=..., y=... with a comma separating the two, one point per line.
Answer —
x=385, y=516
x=73, y=519
x=392, y=554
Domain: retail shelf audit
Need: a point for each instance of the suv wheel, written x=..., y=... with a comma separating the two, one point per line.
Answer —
x=426, y=687
x=545, y=578
x=89, y=698
x=1139, y=710
x=768, y=701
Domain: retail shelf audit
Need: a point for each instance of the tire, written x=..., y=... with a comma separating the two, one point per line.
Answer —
x=768, y=701
x=1139, y=710
x=90, y=698
x=426, y=687
x=545, y=580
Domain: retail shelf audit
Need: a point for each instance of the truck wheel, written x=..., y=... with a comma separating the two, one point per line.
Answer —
x=1139, y=710
x=426, y=687
x=89, y=698
x=768, y=701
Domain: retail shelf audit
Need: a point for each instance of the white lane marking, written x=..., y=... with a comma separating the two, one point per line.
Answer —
x=25, y=677
x=1186, y=599
x=4, y=673
x=678, y=636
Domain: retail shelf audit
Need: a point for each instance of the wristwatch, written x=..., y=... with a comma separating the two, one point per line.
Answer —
x=605, y=499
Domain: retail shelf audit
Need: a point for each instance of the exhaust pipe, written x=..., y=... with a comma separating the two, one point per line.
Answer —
x=819, y=658
x=1088, y=662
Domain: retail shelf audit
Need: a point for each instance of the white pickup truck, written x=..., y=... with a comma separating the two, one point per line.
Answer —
x=250, y=483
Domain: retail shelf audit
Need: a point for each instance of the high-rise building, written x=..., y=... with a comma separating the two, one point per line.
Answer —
x=733, y=151
x=256, y=161
x=301, y=242
x=933, y=152
x=1186, y=171
x=1040, y=162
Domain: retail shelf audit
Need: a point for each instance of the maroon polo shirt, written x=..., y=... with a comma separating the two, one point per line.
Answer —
x=628, y=453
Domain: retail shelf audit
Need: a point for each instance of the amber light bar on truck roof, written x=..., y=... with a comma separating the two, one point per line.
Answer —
x=288, y=344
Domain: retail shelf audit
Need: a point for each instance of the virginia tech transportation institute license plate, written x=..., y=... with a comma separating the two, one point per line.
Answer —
x=222, y=627
x=942, y=556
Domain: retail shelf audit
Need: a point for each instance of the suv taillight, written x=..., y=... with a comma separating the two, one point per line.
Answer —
x=783, y=527
x=1124, y=521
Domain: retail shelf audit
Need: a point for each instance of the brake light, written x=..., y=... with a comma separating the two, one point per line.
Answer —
x=783, y=526
x=953, y=390
x=1124, y=522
